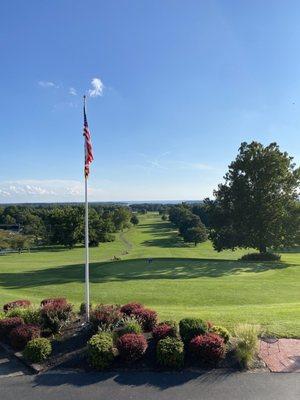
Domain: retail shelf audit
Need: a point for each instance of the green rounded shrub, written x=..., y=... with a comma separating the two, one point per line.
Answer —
x=170, y=353
x=100, y=350
x=221, y=331
x=130, y=326
x=37, y=350
x=191, y=327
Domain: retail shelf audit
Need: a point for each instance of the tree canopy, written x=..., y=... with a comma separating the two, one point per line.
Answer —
x=257, y=206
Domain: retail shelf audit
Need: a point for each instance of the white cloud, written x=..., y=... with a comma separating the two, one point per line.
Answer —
x=47, y=84
x=72, y=91
x=97, y=86
x=31, y=190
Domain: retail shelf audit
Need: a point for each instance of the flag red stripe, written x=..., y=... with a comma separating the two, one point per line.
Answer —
x=87, y=146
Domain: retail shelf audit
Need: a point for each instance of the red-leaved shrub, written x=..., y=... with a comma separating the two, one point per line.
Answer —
x=22, y=334
x=147, y=318
x=107, y=315
x=16, y=304
x=129, y=308
x=131, y=346
x=61, y=301
x=8, y=324
x=55, y=315
x=162, y=331
x=208, y=348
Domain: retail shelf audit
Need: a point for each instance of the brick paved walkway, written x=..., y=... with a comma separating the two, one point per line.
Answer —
x=282, y=356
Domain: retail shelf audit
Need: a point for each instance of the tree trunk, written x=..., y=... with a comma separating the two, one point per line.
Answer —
x=262, y=248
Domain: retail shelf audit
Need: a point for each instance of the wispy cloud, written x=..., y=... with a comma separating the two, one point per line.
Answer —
x=97, y=88
x=163, y=162
x=192, y=165
x=47, y=84
x=72, y=91
x=155, y=162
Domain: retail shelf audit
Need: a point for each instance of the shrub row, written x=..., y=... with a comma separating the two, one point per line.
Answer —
x=121, y=330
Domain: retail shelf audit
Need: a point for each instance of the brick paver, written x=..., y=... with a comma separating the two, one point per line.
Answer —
x=282, y=356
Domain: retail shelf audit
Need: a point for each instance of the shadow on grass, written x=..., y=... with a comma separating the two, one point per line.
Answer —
x=135, y=270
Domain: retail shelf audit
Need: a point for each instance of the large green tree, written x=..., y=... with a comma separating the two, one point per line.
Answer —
x=257, y=206
x=196, y=234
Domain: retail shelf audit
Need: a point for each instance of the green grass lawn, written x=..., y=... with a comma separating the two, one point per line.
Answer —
x=182, y=281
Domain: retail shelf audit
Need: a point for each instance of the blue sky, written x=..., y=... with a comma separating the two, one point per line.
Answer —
x=185, y=82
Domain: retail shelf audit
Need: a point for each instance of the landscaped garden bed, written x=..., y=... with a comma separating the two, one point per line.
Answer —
x=120, y=337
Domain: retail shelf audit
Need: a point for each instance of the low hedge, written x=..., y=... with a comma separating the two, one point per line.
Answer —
x=131, y=347
x=100, y=350
x=170, y=353
x=261, y=257
x=37, y=350
x=191, y=327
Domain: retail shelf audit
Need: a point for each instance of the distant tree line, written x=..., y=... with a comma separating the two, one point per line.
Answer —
x=61, y=224
x=143, y=208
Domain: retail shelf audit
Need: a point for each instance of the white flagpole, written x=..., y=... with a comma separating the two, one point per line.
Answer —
x=86, y=240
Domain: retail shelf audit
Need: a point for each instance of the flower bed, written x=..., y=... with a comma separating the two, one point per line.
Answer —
x=128, y=336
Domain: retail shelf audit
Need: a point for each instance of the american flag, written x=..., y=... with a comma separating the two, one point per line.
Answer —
x=88, y=149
